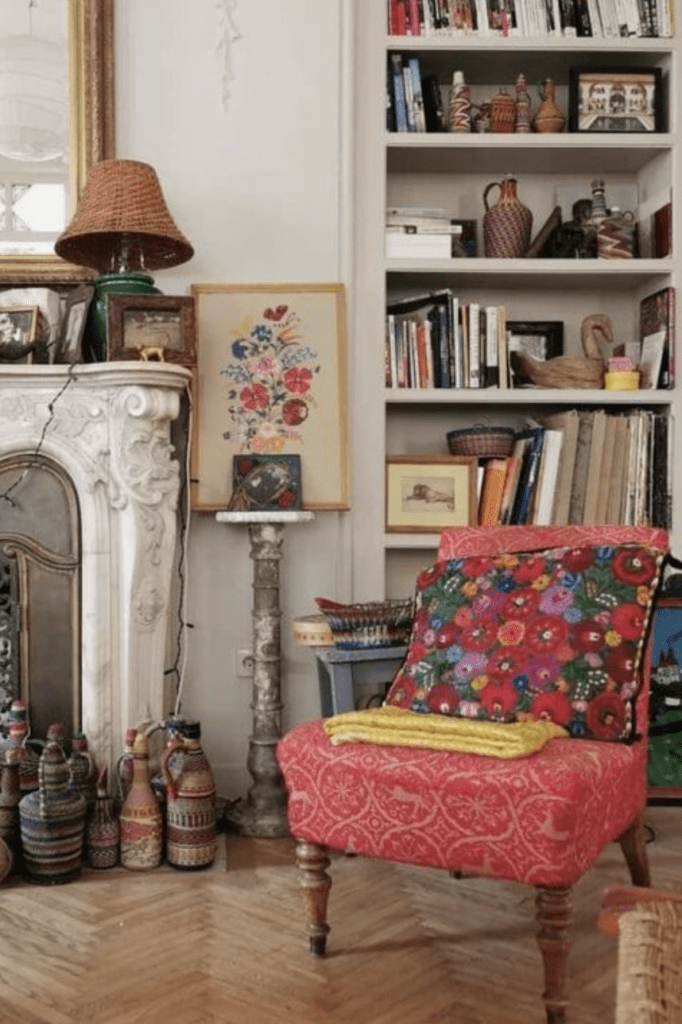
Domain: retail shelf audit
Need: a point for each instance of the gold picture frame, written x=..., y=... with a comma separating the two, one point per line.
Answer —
x=158, y=328
x=427, y=494
x=271, y=379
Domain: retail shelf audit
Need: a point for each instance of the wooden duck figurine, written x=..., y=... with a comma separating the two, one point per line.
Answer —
x=570, y=371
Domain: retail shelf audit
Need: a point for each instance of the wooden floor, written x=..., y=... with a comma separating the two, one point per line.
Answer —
x=226, y=946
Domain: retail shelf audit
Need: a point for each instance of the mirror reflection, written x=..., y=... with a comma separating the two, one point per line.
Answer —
x=34, y=125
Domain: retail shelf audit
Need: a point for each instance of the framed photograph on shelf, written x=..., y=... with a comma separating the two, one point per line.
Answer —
x=611, y=99
x=266, y=483
x=539, y=339
x=18, y=333
x=425, y=494
x=271, y=380
x=665, y=701
x=69, y=342
x=159, y=328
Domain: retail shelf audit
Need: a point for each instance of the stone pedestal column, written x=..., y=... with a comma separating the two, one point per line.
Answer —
x=263, y=813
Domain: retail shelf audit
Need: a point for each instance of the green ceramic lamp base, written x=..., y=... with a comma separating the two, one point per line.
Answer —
x=95, y=334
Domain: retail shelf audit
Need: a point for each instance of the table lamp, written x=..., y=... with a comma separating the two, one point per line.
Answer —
x=123, y=229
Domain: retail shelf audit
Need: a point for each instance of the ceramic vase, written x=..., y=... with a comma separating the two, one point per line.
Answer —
x=52, y=822
x=190, y=801
x=549, y=117
x=507, y=224
x=459, y=110
x=140, y=820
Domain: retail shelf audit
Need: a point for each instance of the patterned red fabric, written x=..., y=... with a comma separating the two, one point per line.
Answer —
x=542, y=820
x=456, y=542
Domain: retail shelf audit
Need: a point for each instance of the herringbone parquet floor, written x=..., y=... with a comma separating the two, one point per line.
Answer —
x=226, y=946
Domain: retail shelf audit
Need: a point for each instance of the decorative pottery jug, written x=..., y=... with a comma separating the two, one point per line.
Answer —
x=190, y=801
x=507, y=224
x=52, y=822
x=10, y=795
x=616, y=235
x=502, y=112
x=103, y=832
x=548, y=117
x=82, y=770
x=141, y=822
x=459, y=110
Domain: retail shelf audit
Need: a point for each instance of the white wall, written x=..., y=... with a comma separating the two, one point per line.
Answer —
x=260, y=188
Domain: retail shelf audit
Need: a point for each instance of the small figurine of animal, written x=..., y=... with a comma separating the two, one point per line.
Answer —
x=571, y=371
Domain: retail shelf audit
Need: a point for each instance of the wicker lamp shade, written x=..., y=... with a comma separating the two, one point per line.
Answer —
x=122, y=222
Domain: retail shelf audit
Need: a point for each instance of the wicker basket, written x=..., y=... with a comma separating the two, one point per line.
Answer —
x=481, y=441
x=375, y=624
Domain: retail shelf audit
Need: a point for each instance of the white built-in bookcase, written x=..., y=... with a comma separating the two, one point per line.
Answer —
x=452, y=171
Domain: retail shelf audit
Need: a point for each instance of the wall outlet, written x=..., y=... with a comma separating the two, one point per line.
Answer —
x=243, y=663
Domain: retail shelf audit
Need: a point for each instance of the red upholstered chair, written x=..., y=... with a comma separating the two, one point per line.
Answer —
x=547, y=816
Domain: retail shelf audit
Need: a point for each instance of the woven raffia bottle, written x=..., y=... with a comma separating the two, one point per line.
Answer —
x=124, y=768
x=10, y=795
x=18, y=730
x=459, y=109
x=507, y=224
x=82, y=770
x=52, y=822
x=549, y=117
x=522, y=106
x=140, y=819
x=190, y=801
x=103, y=831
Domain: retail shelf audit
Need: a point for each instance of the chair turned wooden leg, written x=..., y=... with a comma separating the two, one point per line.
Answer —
x=633, y=844
x=554, y=917
x=313, y=861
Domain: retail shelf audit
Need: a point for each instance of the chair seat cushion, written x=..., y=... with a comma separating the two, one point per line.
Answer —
x=541, y=820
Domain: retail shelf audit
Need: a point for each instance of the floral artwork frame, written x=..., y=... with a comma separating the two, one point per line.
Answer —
x=664, y=784
x=441, y=490
x=271, y=379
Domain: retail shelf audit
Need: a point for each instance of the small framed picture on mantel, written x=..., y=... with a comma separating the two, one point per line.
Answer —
x=608, y=99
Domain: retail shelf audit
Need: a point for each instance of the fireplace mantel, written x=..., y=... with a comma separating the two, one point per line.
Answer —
x=108, y=428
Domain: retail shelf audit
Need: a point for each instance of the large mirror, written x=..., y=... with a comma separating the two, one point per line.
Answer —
x=56, y=123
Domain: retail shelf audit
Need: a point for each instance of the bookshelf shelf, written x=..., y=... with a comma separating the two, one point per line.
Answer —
x=451, y=171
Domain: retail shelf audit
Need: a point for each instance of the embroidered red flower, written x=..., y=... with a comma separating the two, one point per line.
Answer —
x=588, y=636
x=628, y=621
x=479, y=636
x=402, y=692
x=506, y=662
x=634, y=565
x=429, y=576
x=254, y=396
x=297, y=379
x=476, y=567
x=606, y=716
x=620, y=662
x=521, y=603
x=294, y=411
x=552, y=707
x=578, y=559
x=546, y=633
x=498, y=699
x=528, y=571
x=446, y=636
x=442, y=699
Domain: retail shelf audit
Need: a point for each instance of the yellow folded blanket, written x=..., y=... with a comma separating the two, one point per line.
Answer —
x=392, y=726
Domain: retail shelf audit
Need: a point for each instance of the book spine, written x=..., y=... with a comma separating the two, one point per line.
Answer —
x=417, y=95
x=414, y=22
x=409, y=99
x=474, y=346
x=399, y=93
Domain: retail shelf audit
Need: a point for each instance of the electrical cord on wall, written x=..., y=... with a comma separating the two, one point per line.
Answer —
x=179, y=665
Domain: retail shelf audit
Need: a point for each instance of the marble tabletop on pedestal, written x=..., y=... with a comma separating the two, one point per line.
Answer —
x=264, y=517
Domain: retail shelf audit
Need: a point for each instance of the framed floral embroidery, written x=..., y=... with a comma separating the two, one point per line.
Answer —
x=271, y=380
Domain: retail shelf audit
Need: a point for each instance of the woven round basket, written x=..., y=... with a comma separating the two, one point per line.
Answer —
x=482, y=442
x=312, y=631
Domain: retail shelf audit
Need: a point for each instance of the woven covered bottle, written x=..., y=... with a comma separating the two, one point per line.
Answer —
x=103, y=832
x=507, y=224
x=190, y=801
x=140, y=819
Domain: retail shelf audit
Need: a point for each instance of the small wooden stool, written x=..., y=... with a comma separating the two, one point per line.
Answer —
x=335, y=673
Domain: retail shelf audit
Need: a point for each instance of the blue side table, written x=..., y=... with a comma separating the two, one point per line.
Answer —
x=335, y=673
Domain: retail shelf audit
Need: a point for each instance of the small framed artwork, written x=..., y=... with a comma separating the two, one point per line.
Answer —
x=615, y=100
x=266, y=483
x=157, y=328
x=69, y=342
x=426, y=494
x=665, y=701
x=18, y=333
x=271, y=371
x=540, y=339
x=464, y=242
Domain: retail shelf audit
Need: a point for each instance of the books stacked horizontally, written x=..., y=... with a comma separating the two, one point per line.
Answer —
x=426, y=232
x=584, y=466
x=597, y=18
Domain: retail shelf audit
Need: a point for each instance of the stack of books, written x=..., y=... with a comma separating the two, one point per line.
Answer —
x=413, y=232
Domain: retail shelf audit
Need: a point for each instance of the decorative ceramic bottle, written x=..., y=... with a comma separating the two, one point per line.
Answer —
x=507, y=224
x=616, y=235
x=549, y=117
x=459, y=110
x=140, y=819
x=190, y=801
x=103, y=831
x=52, y=822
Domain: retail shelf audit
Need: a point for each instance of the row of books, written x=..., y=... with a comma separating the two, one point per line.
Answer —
x=586, y=466
x=595, y=18
x=414, y=101
x=414, y=232
x=435, y=340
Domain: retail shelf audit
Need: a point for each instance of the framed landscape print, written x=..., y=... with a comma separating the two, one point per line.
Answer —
x=271, y=380
x=665, y=702
x=426, y=494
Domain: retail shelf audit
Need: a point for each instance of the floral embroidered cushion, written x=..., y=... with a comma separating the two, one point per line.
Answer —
x=555, y=634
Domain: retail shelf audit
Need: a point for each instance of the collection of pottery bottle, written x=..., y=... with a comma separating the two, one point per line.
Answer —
x=504, y=112
x=55, y=810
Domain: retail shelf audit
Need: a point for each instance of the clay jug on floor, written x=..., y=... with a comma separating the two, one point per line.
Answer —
x=549, y=117
x=52, y=822
x=507, y=224
x=140, y=819
x=190, y=801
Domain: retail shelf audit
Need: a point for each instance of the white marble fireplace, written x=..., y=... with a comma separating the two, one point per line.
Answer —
x=109, y=431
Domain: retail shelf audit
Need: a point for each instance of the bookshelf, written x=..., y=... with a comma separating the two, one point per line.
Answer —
x=451, y=171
